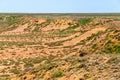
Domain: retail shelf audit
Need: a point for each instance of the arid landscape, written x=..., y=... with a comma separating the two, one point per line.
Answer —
x=59, y=47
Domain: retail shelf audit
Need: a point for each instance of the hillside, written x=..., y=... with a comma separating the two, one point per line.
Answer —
x=43, y=47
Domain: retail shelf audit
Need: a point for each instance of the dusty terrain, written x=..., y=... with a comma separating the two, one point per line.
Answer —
x=60, y=48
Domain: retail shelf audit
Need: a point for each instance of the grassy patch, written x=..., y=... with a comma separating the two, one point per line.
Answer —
x=57, y=73
x=113, y=60
x=112, y=47
x=15, y=71
x=12, y=20
x=7, y=43
x=4, y=77
x=84, y=21
x=52, y=44
x=69, y=30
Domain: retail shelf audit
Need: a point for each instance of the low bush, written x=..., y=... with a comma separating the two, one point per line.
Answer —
x=57, y=73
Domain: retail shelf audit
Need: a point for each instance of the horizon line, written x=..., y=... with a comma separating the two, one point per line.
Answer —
x=59, y=13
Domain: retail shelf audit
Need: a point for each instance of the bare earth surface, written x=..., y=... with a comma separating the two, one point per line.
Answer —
x=59, y=47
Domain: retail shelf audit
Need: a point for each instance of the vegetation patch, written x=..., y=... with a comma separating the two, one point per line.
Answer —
x=57, y=73
x=84, y=21
x=112, y=48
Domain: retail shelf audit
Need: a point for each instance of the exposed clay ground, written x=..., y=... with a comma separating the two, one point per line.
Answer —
x=59, y=48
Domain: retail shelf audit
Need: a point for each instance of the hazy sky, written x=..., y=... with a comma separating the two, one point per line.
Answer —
x=59, y=6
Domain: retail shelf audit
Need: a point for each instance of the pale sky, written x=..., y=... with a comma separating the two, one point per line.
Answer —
x=60, y=6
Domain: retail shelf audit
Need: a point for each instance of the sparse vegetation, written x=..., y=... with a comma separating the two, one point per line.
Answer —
x=112, y=47
x=35, y=47
x=84, y=21
x=57, y=73
x=15, y=71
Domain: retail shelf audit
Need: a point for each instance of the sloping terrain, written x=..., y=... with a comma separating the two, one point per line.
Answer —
x=60, y=48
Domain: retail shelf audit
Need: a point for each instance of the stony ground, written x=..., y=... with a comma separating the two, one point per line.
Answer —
x=34, y=47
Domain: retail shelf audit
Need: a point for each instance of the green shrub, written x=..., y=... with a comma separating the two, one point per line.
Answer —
x=114, y=60
x=84, y=21
x=12, y=19
x=15, y=71
x=112, y=47
x=5, y=77
x=28, y=65
x=57, y=73
x=82, y=65
x=37, y=60
x=1, y=17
